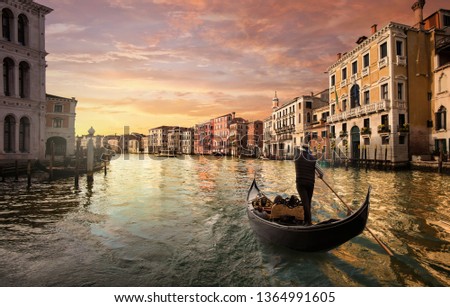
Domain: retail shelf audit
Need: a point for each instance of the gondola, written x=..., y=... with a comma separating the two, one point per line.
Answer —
x=289, y=231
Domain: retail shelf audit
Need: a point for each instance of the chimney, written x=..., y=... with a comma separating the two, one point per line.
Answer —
x=374, y=29
x=339, y=55
x=418, y=12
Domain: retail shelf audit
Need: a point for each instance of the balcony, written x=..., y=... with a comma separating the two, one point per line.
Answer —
x=384, y=129
x=383, y=62
x=366, y=132
x=353, y=78
x=401, y=60
x=403, y=128
x=343, y=134
x=343, y=82
x=383, y=105
x=365, y=72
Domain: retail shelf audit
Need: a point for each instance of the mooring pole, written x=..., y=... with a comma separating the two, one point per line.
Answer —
x=16, y=166
x=77, y=164
x=90, y=156
x=29, y=174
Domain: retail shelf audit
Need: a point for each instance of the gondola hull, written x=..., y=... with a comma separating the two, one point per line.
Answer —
x=315, y=238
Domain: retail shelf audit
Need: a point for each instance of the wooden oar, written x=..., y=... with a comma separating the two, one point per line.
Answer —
x=367, y=228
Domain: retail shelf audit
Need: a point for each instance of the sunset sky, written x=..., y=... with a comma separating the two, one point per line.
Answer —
x=146, y=63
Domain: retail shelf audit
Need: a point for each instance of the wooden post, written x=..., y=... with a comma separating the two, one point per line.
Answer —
x=385, y=157
x=3, y=173
x=375, y=157
x=367, y=161
x=52, y=159
x=77, y=164
x=441, y=158
x=90, y=157
x=106, y=172
x=16, y=166
x=29, y=174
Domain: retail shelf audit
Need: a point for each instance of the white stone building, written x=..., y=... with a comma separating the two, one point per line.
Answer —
x=22, y=86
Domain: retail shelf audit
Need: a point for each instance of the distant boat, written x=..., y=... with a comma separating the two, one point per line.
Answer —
x=279, y=224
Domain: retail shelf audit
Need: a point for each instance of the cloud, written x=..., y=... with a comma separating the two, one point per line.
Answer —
x=196, y=59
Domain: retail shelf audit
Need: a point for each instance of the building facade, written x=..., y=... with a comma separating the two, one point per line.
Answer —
x=255, y=137
x=60, y=126
x=22, y=88
x=221, y=133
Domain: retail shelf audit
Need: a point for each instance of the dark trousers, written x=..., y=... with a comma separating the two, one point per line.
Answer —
x=306, y=190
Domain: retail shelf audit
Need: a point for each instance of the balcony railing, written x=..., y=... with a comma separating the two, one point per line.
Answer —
x=383, y=62
x=360, y=111
x=384, y=129
x=401, y=60
x=365, y=72
x=343, y=134
x=366, y=131
x=403, y=128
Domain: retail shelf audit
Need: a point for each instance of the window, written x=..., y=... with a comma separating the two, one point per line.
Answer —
x=354, y=96
x=366, y=122
x=22, y=30
x=384, y=91
x=354, y=67
x=344, y=127
x=308, y=104
x=57, y=123
x=344, y=104
x=24, y=79
x=58, y=108
x=385, y=140
x=401, y=120
x=366, y=60
x=400, y=91
x=333, y=109
x=399, y=48
x=366, y=97
x=315, y=118
x=9, y=130
x=24, y=135
x=344, y=73
x=7, y=18
x=308, y=118
x=402, y=140
x=383, y=50
x=8, y=68
x=385, y=120
x=333, y=80
x=324, y=134
x=446, y=21
x=441, y=118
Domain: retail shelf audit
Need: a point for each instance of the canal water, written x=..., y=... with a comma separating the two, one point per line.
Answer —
x=182, y=222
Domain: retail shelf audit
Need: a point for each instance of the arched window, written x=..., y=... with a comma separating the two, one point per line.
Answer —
x=22, y=30
x=9, y=131
x=8, y=79
x=24, y=135
x=354, y=96
x=441, y=118
x=24, y=79
x=7, y=18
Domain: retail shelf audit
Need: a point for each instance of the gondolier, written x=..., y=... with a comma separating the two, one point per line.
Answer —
x=305, y=174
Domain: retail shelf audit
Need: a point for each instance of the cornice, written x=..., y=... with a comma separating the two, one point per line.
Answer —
x=29, y=6
x=377, y=36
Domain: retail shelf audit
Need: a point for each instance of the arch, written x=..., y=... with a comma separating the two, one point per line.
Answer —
x=24, y=134
x=354, y=96
x=24, y=80
x=355, y=142
x=8, y=76
x=59, y=146
x=7, y=20
x=22, y=30
x=9, y=134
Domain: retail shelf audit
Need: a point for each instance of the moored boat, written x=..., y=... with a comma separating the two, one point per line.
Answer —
x=287, y=229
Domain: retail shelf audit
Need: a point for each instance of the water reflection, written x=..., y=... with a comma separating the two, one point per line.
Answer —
x=182, y=222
